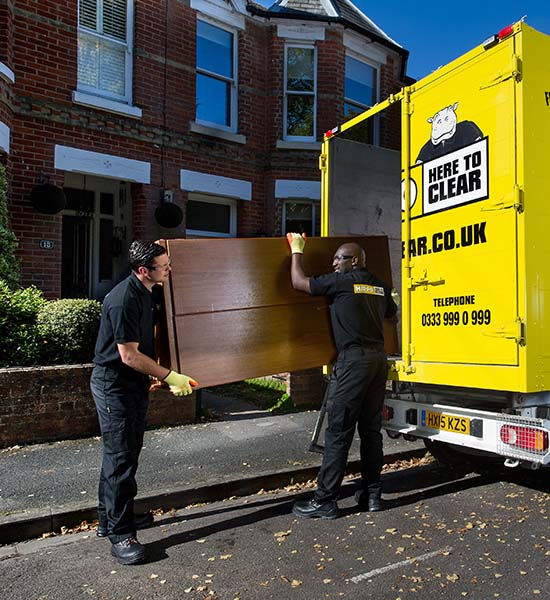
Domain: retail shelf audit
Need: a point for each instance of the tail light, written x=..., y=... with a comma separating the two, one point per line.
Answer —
x=387, y=413
x=528, y=438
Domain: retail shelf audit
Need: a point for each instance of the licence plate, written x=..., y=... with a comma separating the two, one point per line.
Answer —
x=445, y=422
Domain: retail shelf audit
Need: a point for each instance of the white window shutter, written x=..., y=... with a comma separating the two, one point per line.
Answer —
x=114, y=19
x=87, y=13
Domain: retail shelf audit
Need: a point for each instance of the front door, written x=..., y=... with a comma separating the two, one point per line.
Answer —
x=96, y=235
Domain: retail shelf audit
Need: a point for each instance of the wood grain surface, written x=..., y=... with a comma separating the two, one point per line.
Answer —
x=232, y=313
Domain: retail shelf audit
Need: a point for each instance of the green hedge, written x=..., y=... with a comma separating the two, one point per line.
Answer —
x=9, y=266
x=68, y=329
x=21, y=344
x=36, y=331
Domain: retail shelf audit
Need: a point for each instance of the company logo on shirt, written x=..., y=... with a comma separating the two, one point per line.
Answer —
x=373, y=290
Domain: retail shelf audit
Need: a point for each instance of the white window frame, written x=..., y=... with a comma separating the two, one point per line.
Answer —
x=231, y=202
x=128, y=45
x=233, y=115
x=361, y=106
x=307, y=201
x=287, y=93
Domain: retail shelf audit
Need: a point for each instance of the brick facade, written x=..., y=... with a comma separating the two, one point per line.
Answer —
x=39, y=44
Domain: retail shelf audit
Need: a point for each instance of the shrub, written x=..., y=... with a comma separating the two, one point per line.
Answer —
x=69, y=329
x=18, y=325
x=9, y=266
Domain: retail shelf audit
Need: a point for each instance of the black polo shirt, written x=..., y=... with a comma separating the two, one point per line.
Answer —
x=359, y=302
x=128, y=315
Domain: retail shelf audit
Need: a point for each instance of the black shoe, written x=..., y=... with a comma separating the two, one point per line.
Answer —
x=311, y=509
x=128, y=551
x=142, y=521
x=370, y=499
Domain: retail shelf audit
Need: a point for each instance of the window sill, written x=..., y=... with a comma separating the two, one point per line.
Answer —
x=108, y=105
x=288, y=145
x=7, y=73
x=219, y=133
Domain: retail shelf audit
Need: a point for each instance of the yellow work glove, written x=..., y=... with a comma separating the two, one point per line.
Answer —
x=296, y=241
x=180, y=385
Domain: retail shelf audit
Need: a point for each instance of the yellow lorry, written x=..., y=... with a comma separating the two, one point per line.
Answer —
x=473, y=179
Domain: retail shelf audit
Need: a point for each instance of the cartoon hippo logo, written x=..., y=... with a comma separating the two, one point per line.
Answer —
x=448, y=134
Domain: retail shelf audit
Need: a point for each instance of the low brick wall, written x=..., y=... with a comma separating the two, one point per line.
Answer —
x=306, y=388
x=42, y=404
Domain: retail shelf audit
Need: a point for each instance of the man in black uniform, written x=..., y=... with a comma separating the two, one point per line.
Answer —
x=124, y=362
x=359, y=302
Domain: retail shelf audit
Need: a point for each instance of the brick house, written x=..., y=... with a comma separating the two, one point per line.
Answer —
x=174, y=119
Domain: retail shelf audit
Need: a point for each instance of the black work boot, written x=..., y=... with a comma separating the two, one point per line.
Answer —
x=141, y=521
x=311, y=509
x=128, y=551
x=371, y=498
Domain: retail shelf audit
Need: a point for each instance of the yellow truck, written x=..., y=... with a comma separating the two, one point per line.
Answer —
x=472, y=182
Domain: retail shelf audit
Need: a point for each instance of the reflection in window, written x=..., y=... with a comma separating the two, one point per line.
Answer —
x=211, y=216
x=299, y=217
x=360, y=94
x=215, y=83
x=300, y=89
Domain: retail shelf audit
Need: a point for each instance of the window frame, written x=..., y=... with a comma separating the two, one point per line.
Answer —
x=363, y=107
x=128, y=46
x=287, y=93
x=223, y=200
x=306, y=201
x=233, y=83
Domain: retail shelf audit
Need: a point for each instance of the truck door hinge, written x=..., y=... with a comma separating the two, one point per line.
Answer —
x=514, y=73
x=513, y=199
x=322, y=162
x=424, y=281
x=512, y=331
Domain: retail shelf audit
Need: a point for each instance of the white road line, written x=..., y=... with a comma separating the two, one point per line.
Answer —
x=398, y=565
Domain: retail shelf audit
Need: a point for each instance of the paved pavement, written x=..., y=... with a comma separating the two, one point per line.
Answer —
x=48, y=486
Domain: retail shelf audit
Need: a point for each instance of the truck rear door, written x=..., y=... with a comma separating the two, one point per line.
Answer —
x=463, y=216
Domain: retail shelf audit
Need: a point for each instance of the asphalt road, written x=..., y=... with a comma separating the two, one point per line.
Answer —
x=444, y=535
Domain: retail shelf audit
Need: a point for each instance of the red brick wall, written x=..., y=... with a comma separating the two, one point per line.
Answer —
x=6, y=32
x=41, y=39
x=43, y=404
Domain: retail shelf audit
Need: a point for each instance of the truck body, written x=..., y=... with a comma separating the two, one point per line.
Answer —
x=470, y=193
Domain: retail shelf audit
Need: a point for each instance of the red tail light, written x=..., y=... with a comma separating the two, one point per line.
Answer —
x=528, y=438
x=387, y=413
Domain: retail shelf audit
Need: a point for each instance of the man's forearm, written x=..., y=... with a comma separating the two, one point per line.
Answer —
x=142, y=363
x=299, y=279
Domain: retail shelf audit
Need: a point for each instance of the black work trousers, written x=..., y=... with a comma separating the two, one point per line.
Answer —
x=121, y=408
x=355, y=398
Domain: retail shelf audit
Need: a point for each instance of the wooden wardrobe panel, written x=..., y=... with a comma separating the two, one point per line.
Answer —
x=232, y=312
x=209, y=275
x=233, y=345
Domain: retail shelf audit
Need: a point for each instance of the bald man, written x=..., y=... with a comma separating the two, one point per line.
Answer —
x=359, y=303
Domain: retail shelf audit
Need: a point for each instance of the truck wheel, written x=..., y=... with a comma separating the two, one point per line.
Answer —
x=454, y=456
x=446, y=453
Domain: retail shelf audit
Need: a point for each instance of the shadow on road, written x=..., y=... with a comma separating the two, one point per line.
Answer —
x=407, y=487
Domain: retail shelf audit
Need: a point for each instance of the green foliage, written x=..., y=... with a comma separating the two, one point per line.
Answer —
x=69, y=330
x=19, y=308
x=9, y=267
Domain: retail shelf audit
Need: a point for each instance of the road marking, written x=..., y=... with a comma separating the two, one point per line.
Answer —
x=398, y=565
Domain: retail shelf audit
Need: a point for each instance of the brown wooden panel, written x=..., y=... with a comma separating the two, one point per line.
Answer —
x=209, y=275
x=232, y=312
x=232, y=345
